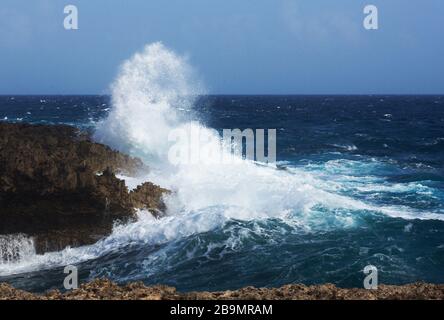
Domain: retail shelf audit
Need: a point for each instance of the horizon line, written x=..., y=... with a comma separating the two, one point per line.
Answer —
x=234, y=94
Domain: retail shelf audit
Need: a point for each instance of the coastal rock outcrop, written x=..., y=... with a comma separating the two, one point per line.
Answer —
x=103, y=289
x=60, y=188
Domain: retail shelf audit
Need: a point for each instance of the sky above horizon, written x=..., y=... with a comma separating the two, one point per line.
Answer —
x=236, y=46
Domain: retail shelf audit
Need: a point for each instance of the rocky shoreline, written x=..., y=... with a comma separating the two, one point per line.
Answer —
x=59, y=188
x=102, y=289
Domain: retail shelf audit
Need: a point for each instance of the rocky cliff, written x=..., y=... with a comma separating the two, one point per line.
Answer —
x=59, y=187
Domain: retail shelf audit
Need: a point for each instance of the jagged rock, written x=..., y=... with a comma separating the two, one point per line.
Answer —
x=103, y=289
x=60, y=188
x=149, y=196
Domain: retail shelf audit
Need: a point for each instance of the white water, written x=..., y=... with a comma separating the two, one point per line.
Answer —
x=151, y=86
x=149, y=89
x=15, y=248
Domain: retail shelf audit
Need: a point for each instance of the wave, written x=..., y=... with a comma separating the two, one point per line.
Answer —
x=149, y=90
x=347, y=147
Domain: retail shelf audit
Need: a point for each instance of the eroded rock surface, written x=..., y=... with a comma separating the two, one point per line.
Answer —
x=103, y=289
x=59, y=187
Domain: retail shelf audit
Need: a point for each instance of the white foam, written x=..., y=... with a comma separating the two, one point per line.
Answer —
x=14, y=248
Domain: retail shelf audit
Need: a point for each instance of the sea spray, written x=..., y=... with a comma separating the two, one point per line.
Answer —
x=13, y=248
x=143, y=95
x=149, y=89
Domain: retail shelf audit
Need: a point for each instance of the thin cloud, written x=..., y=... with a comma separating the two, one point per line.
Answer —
x=319, y=27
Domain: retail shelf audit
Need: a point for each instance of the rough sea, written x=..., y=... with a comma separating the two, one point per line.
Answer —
x=368, y=179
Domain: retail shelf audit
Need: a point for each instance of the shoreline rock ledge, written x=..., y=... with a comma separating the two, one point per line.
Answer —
x=103, y=289
x=59, y=188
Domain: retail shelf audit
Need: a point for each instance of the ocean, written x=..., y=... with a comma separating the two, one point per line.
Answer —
x=359, y=181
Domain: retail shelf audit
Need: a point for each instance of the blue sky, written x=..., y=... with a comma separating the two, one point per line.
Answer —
x=237, y=46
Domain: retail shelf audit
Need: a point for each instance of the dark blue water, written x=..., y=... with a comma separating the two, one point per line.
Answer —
x=383, y=152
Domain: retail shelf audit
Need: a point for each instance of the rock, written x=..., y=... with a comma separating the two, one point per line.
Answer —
x=103, y=289
x=9, y=293
x=60, y=188
x=148, y=196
